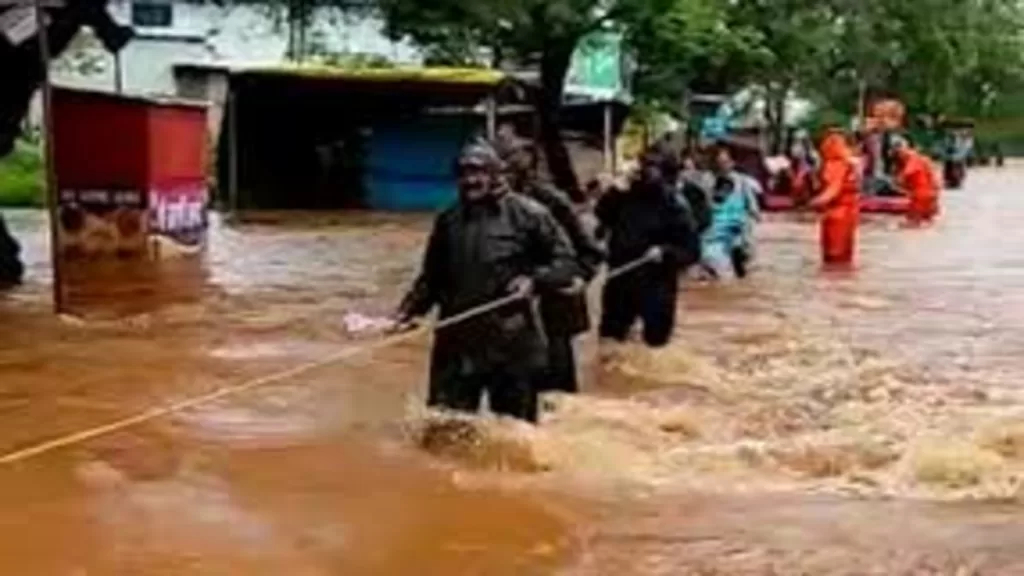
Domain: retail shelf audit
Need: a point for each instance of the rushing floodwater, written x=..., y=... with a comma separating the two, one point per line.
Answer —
x=802, y=422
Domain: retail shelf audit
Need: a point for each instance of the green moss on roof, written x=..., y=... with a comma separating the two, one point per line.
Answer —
x=478, y=76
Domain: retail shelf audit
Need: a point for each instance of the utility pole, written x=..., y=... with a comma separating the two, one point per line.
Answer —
x=46, y=92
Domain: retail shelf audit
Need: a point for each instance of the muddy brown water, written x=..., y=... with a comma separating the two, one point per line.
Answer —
x=802, y=422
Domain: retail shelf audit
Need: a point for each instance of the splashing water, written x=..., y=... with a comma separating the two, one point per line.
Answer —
x=799, y=423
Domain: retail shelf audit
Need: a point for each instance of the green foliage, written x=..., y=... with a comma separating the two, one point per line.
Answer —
x=519, y=30
x=939, y=56
x=516, y=33
x=689, y=45
x=954, y=57
x=22, y=176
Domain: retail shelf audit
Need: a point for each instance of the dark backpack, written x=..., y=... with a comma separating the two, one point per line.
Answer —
x=697, y=203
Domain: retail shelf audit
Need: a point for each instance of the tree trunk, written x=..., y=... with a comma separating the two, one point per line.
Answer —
x=775, y=114
x=497, y=57
x=299, y=19
x=554, y=66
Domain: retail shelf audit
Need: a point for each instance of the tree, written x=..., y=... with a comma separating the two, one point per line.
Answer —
x=938, y=56
x=679, y=46
x=793, y=39
x=299, y=19
x=535, y=33
x=691, y=47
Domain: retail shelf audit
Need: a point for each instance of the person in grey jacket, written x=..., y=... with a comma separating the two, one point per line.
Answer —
x=492, y=243
x=564, y=314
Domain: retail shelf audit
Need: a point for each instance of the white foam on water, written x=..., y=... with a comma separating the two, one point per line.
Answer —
x=786, y=409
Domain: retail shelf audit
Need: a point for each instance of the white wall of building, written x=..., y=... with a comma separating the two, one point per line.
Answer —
x=201, y=32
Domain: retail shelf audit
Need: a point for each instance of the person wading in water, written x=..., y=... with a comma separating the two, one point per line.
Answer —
x=838, y=201
x=11, y=268
x=918, y=179
x=565, y=313
x=737, y=207
x=491, y=244
x=646, y=221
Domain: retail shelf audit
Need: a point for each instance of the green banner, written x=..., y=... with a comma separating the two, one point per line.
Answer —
x=597, y=70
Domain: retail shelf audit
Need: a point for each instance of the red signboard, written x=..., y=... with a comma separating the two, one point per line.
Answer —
x=128, y=169
x=131, y=179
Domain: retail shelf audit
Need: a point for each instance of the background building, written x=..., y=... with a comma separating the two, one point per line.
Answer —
x=176, y=33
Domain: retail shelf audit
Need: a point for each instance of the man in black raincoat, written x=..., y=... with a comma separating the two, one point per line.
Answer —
x=11, y=268
x=491, y=244
x=646, y=221
x=694, y=189
x=565, y=314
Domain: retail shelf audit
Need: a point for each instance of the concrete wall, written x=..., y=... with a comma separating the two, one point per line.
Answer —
x=208, y=85
x=202, y=32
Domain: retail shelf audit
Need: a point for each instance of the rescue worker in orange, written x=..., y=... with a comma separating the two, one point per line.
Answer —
x=839, y=200
x=916, y=177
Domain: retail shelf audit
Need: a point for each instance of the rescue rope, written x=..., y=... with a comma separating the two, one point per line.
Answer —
x=628, y=267
x=195, y=401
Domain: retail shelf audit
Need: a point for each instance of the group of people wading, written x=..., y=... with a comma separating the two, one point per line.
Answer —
x=511, y=234
x=840, y=184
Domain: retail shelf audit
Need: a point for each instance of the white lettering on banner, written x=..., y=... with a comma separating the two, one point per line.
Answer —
x=186, y=212
x=109, y=198
x=131, y=197
x=94, y=196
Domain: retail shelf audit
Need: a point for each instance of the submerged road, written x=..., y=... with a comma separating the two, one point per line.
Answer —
x=801, y=423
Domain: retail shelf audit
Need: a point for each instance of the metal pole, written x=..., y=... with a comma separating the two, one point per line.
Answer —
x=232, y=101
x=492, y=117
x=609, y=152
x=51, y=176
x=862, y=94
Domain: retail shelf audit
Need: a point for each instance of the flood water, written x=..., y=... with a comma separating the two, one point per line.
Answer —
x=802, y=422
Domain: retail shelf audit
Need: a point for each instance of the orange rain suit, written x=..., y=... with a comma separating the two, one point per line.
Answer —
x=917, y=177
x=839, y=200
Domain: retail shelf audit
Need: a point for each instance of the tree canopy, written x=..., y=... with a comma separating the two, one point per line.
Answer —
x=952, y=57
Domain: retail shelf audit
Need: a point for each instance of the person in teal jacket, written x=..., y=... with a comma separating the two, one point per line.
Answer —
x=727, y=244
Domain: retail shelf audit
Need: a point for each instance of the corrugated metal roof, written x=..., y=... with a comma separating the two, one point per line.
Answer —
x=461, y=76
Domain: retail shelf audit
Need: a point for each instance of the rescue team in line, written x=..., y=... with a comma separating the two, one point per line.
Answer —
x=511, y=234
